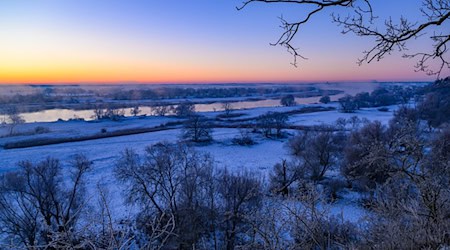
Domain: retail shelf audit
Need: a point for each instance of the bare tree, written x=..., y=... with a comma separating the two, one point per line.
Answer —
x=172, y=182
x=283, y=176
x=316, y=150
x=38, y=207
x=161, y=110
x=439, y=159
x=313, y=227
x=14, y=119
x=227, y=108
x=241, y=196
x=135, y=110
x=347, y=104
x=413, y=202
x=197, y=129
x=99, y=113
x=366, y=159
x=107, y=231
x=272, y=121
x=271, y=225
x=404, y=220
x=113, y=113
x=361, y=21
x=184, y=109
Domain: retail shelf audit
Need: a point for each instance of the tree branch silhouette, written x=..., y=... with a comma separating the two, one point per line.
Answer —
x=392, y=36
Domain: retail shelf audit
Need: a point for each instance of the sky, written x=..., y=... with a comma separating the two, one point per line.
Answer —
x=179, y=41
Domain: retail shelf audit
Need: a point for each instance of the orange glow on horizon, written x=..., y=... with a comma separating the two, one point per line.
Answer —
x=85, y=41
x=119, y=71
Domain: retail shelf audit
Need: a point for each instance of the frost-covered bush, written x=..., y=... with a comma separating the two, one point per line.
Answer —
x=325, y=233
x=244, y=138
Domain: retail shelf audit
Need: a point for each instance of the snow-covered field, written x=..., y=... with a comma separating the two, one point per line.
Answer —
x=259, y=158
x=329, y=117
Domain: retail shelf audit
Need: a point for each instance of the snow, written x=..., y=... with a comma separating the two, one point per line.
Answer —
x=80, y=128
x=259, y=158
x=348, y=208
x=330, y=117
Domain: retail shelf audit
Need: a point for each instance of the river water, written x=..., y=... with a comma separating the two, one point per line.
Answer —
x=51, y=115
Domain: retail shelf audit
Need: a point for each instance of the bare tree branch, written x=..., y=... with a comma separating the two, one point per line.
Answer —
x=393, y=37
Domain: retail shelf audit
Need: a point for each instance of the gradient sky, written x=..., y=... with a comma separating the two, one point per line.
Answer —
x=164, y=41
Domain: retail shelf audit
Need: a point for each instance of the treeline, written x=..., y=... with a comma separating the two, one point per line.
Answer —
x=433, y=104
x=177, y=93
x=37, y=98
x=377, y=98
x=82, y=99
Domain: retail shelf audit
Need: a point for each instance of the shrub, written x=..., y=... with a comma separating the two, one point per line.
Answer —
x=325, y=233
x=288, y=100
x=41, y=130
x=325, y=99
x=244, y=138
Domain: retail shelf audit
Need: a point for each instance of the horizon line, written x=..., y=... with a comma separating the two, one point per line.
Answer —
x=213, y=83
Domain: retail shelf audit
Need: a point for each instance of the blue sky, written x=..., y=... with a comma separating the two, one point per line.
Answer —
x=183, y=41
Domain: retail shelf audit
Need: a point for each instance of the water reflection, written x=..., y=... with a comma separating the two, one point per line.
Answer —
x=52, y=115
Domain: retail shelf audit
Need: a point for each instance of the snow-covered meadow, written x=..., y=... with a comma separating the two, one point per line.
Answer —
x=257, y=159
